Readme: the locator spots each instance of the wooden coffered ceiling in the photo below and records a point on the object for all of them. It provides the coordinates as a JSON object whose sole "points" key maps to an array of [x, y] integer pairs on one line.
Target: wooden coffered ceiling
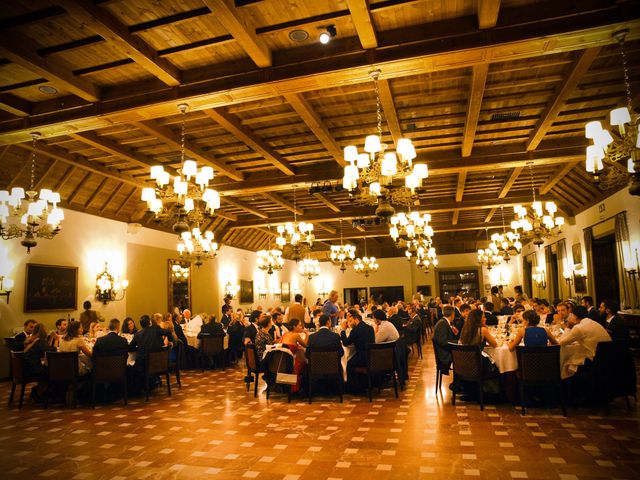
{"points": [[480, 86]]}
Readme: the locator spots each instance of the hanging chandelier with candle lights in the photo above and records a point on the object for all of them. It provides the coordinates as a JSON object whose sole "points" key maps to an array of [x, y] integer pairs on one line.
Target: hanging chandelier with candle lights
{"points": [[370, 175], [507, 243], [409, 230], [426, 258], [187, 198], [614, 157], [538, 221], [23, 216], [296, 236], [366, 265], [342, 255], [196, 247], [490, 256], [270, 260], [309, 268]]}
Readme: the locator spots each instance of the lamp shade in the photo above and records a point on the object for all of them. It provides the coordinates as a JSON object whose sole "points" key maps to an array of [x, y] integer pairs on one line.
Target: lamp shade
{"points": [[350, 153], [592, 129], [190, 168], [620, 116], [372, 144]]}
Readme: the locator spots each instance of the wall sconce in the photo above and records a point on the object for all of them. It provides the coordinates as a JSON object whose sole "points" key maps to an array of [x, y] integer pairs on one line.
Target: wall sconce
{"points": [[107, 288], [6, 287], [262, 292], [322, 291], [633, 271], [569, 279], [276, 292], [540, 277], [230, 290]]}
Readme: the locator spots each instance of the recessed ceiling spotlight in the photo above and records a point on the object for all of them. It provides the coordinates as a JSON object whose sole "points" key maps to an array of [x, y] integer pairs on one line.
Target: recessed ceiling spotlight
{"points": [[327, 34], [298, 35], [48, 89]]}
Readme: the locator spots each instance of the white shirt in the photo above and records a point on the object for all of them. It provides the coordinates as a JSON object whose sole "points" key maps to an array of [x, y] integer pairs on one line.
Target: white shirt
{"points": [[386, 332], [586, 334]]}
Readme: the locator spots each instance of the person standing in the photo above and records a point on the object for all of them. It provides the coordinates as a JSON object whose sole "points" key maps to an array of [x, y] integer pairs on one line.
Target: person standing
{"points": [[330, 307], [297, 311], [88, 316]]}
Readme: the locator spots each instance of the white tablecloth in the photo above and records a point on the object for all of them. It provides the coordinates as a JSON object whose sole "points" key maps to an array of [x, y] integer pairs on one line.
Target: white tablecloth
{"points": [[571, 356], [192, 340]]}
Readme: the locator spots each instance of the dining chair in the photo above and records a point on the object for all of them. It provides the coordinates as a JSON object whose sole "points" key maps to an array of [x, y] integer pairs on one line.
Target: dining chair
{"points": [[539, 367], [109, 369], [19, 376], [157, 363], [211, 346], [467, 366], [278, 362], [253, 366], [380, 362], [324, 364], [62, 368]]}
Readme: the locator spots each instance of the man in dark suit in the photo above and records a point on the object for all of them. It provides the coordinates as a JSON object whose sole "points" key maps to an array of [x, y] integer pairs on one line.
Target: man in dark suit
{"points": [[324, 338], [411, 332], [226, 317], [17, 342], [211, 327], [592, 312], [111, 343], [615, 325], [491, 319], [150, 337], [395, 319], [361, 335], [251, 330], [443, 333], [506, 308], [458, 322]]}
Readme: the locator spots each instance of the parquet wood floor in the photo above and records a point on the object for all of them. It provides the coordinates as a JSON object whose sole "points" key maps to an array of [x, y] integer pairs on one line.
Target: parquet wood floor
{"points": [[212, 428]]}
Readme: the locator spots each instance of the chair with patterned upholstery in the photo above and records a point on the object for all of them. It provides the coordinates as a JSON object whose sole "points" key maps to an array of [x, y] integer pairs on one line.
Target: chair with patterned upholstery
{"points": [[276, 362], [440, 367], [612, 375], [539, 366], [211, 346], [157, 363], [380, 363], [109, 369], [253, 367], [324, 363], [63, 368], [19, 376], [467, 367]]}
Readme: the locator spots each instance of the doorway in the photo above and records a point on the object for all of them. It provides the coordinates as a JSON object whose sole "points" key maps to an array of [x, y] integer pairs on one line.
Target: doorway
{"points": [[554, 291], [353, 296], [605, 269], [527, 269]]}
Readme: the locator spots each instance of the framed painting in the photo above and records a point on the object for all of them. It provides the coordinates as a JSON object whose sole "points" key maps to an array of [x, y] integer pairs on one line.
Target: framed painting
{"points": [[50, 288], [246, 291], [580, 283], [576, 253], [286, 292]]}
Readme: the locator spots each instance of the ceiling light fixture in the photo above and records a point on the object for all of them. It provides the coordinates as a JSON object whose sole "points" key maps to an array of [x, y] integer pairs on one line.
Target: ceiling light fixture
{"points": [[366, 265], [270, 260], [298, 236], [196, 247], [342, 255], [309, 268], [371, 173], [327, 34], [614, 156], [22, 216]]}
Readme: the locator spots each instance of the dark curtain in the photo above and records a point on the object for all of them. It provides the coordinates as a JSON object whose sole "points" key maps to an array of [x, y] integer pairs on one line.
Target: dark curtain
{"points": [[564, 261], [588, 246], [548, 265], [622, 243]]}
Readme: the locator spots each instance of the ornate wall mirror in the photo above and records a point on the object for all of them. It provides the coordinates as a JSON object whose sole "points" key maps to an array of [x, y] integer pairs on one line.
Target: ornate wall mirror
{"points": [[179, 285]]}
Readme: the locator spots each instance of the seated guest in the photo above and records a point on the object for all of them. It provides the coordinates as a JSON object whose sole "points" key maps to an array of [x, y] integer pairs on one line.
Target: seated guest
{"points": [[263, 336], [128, 326], [227, 311], [34, 351], [251, 330], [384, 330], [475, 332], [458, 322], [314, 323], [543, 311], [394, 319], [564, 313], [150, 337], [411, 332], [278, 328], [403, 313], [17, 342], [235, 330], [111, 343], [324, 337], [58, 333], [443, 333], [615, 325], [490, 318], [592, 312], [73, 341], [211, 327], [585, 332], [95, 330], [506, 308], [294, 340], [360, 336], [534, 336]]}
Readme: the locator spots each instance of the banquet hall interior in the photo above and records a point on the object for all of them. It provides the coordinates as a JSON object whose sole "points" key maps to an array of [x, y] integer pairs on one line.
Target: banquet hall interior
{"points": [[319, 239]]}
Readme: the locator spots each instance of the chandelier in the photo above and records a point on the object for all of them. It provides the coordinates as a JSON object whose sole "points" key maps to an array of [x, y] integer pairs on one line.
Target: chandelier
{"points": [[270, 260], [196, 247], [179, 272], [299, 236], [615, 156], [366, 265], [410, 230], [309, 268], [342, 255], [27, 218], [189, 198], [372, 172], [426, 257], [538, 223], [506, 243], [107, 287], [490, 256]]}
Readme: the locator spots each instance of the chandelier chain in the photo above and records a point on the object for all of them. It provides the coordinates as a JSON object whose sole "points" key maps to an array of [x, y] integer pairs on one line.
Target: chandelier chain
{"points": [[34, 137], [183, 110], [625, 69], [378, 109], [533, 189]]}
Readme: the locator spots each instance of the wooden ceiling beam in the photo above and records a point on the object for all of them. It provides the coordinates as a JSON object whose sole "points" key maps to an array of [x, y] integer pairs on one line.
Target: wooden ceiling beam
{"points": [[95, 193], [226, 215], [490, 215], [565, 88], [362, 20], [246, 135], [557, 176], [109, 146], [64, 179], [166, 134], [126, 200], [22, 50], [111, 196], [556, 27], [441, 205], [488, 13], [45, 175], [327, 201], [304, 110], [117, 35], [478, 81], [278, 200], [326, 228], [462, 178], [79, 187], [244, 206], [510, 181], [390, 113], [15, 105], [242, 29], [455, 217], [14, 181]]}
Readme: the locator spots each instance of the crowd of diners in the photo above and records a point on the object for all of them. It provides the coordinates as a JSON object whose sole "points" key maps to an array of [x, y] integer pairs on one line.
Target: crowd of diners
{"points": [[302, 326]]}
